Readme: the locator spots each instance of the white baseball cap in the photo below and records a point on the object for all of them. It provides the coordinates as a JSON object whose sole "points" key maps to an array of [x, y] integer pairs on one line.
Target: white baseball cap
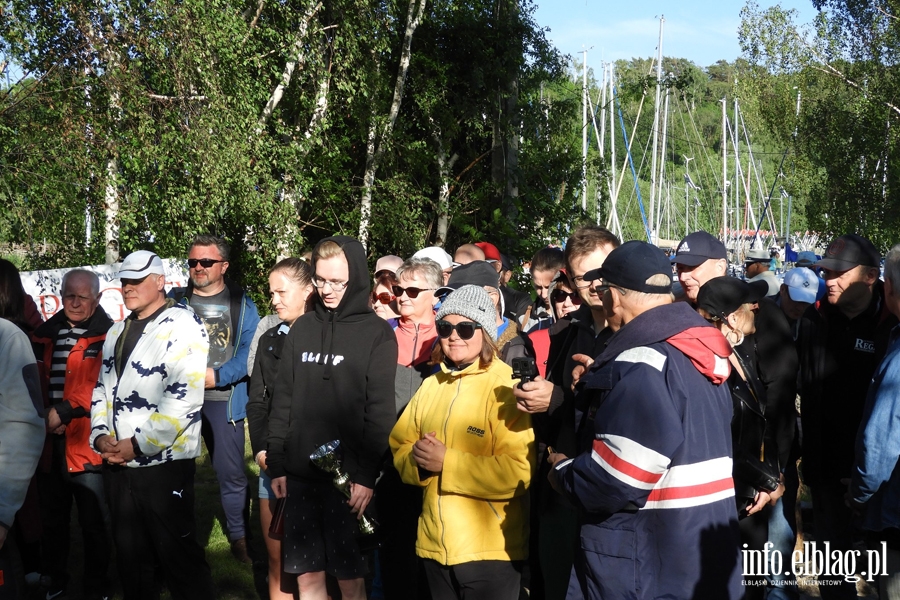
{"points": [[802, 284], [437, 254], [138, 265]]}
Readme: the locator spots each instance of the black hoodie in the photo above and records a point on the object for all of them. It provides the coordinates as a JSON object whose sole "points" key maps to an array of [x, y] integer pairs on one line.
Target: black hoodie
{"points": [[335, 382]]}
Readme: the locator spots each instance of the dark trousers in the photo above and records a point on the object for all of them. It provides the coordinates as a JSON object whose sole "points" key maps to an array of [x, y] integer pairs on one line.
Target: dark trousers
{"points": [[225, 442], [833, 523], [57, 490], [153, 521], [476, 580], [399, 506]]}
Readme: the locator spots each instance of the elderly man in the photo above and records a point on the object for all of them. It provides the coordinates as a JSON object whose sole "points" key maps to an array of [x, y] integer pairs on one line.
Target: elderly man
{"points": [[145, 424], [230, 318], [21, 432], [652, 481], [840, 342], [68, 348]]}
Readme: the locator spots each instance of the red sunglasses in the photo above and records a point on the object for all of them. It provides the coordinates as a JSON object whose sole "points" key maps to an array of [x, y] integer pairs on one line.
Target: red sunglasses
{"points": [[383, 297]]}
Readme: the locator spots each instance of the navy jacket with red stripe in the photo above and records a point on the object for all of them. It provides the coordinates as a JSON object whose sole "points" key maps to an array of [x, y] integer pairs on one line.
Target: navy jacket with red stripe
{"points": [[653, 484]]}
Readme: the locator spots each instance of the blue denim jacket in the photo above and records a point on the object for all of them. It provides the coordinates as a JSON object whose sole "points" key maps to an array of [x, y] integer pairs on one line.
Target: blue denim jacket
{"points": [[876, 480]]}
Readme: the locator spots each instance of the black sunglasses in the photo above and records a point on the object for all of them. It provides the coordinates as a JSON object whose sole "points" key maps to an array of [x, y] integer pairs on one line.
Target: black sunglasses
{"points": [[466, 329], [561, 295], [383, 297], [412, 292], [203, 262]]}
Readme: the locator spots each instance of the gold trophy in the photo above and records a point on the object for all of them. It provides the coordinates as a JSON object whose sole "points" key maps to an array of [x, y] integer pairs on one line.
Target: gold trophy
{"points": [[327, 458]]}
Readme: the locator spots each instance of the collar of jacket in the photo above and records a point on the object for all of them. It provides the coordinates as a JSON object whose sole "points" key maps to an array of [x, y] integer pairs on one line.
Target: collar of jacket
{"points": [[472, 369], [97, 323]]}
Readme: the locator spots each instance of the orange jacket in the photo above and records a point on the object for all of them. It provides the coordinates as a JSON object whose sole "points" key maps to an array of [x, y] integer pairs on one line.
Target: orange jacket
{"points": [[82, 370]]}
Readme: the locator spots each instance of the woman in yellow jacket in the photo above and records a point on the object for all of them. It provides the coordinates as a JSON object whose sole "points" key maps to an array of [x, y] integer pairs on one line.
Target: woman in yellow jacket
{"points": [[462, 440]]}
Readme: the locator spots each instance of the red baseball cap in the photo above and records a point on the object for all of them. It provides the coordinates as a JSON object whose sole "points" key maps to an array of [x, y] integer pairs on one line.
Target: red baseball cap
{"points": [[490, 251]]}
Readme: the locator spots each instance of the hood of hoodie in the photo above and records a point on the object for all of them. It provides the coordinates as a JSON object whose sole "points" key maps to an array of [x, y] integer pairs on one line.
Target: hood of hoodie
{"points": [[355, 303], [681, 326]]}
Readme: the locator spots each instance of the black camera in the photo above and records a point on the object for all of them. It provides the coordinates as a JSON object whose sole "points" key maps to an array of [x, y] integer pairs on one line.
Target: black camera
{"points": [[524, 368]]}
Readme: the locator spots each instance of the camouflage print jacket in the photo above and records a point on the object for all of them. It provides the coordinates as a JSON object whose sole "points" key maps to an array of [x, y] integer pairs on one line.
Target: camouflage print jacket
{"points": [[158, 397]]}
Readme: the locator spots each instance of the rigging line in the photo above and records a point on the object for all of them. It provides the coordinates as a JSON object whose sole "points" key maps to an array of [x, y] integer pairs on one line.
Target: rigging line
{"points": [[631, 162]]}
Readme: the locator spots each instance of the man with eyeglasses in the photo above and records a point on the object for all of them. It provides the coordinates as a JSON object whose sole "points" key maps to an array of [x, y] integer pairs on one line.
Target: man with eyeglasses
{"points": [[551, 401], [145, 424], [230, 317], [336, 382]]}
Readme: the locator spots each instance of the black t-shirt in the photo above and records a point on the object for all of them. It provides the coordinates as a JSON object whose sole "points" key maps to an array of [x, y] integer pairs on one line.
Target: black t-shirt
{"points": [[134, 329]]}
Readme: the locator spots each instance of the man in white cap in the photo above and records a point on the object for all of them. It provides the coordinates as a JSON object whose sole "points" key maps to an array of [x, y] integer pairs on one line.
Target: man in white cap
{"points": [[145, 424], [797, 292], [440, 256]]}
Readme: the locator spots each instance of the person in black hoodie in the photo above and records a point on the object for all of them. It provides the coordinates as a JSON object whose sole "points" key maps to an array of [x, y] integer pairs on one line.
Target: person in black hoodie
{"points": [[336, 382]]}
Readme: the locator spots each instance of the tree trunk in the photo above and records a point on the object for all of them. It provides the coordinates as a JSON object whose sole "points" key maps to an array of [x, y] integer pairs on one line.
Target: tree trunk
{"points": [[444, 168], [296, 57], [375, 147]]}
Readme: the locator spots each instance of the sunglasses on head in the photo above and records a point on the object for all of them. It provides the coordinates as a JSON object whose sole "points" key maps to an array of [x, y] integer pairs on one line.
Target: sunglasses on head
{"points": [[561, 295], [465, 329], [412, 292], [383, 297], [203, 262]]}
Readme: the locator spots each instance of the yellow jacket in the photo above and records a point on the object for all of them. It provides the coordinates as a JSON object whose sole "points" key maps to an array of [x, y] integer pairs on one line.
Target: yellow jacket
{"points": [[477, 507]]}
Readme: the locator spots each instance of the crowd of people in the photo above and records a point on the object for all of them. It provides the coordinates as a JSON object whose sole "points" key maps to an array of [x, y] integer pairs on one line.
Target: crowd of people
{"points": [[427, 431]]}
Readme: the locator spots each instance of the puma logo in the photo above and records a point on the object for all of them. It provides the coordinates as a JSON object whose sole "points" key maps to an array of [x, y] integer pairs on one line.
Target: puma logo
{"points": [[174, 493]]}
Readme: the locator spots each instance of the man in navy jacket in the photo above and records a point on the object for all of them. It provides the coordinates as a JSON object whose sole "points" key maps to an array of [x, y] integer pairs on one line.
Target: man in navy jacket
{"points": [[653, 481]]}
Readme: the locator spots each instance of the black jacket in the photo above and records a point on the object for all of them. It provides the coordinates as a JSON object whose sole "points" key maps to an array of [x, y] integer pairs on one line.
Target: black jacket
{"points": [[262, 385], [335, 382], [838, 357], [557, 427], [775, 358]]}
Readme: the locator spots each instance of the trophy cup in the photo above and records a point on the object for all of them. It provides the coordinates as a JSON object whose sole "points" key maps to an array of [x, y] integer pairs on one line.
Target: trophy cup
{"points": [[326, 458]]}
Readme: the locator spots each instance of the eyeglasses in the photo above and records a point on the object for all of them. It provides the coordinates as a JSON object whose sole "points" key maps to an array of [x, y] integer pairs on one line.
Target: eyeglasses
{"points": [[203, 262], [581, 283], [412, 292], [383, 297], [561, 295], [465, 329], [337, 286]]}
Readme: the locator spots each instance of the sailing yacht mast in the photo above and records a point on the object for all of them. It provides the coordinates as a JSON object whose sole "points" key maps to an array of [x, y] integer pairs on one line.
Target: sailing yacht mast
{"points": [[584, 133], [653, 181]]}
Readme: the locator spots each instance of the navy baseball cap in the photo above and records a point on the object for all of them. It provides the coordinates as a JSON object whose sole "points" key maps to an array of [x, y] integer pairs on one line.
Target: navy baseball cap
{"points": [[850, 251], [697, 248], [631, 265]]}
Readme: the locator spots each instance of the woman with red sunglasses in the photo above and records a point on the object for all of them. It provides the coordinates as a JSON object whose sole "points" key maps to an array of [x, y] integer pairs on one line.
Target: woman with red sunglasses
{"points": [[463, 441]]}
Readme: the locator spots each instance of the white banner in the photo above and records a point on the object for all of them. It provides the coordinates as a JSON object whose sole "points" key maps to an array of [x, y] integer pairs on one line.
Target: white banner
{"points": [[44, 287]]}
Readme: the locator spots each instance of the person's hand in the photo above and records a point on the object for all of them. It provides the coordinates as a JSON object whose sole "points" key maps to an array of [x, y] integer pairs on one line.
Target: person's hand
{"points": [[759, 502], [210, 378], [3, 532], [533, 396], [854, 506], [126, 450], [584, 363], [53, 420], [778, 493], [555, 457], [360, 496], [429, 453], [261, 460], [59, 430], [279, 486], [109, 449]]}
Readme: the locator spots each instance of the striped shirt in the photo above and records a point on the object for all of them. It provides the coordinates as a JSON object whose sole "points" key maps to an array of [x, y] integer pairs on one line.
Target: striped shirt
{"points": [[65, 341]]}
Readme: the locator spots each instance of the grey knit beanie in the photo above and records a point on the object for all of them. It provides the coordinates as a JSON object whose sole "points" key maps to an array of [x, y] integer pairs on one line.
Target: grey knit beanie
{"points": [[473, 302]]}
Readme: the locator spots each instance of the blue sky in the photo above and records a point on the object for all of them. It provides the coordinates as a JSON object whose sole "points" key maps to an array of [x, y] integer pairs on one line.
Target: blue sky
{"points": [[703, 31]]}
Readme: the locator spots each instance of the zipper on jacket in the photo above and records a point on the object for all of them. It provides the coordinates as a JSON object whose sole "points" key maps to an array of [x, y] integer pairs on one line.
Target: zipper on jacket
{"points": [[440, 503], [412, 360], [237, 343]]}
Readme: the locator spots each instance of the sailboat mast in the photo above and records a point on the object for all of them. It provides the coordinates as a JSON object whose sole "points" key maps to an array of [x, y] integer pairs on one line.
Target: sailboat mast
{"points": [[584, 133], [724, 171], [653, 181], [662, 158]]}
